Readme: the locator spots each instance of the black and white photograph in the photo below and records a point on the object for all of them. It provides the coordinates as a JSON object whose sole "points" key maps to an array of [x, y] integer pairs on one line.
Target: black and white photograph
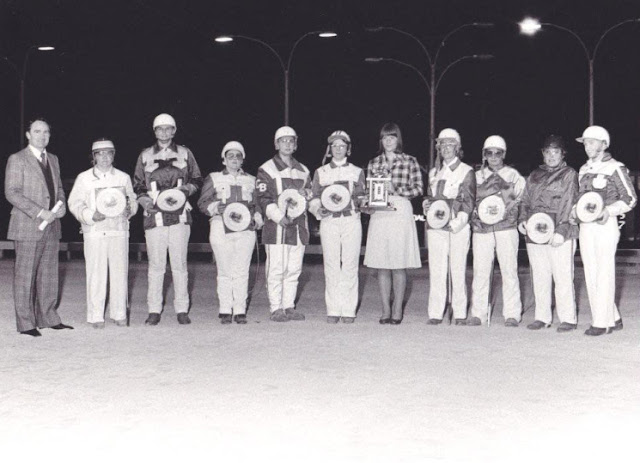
{"points": [[319, 231]]}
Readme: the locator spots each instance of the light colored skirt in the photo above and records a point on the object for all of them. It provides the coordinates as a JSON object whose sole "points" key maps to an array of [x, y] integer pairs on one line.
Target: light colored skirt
{"points": [[392, 239]]}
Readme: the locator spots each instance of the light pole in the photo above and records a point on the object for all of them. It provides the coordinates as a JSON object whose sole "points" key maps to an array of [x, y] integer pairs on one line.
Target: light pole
{"points": [[530, 26], [434, 79], [285, 66], [22, 76]]}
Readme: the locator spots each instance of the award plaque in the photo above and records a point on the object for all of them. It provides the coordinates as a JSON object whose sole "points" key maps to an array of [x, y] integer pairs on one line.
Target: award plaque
{"points": [[291, 203], [439, 214], [236, 217], [491, 210], [540, 228], [171, 200], [378, 194], [589, 206], [111, 201], [335, 198]]}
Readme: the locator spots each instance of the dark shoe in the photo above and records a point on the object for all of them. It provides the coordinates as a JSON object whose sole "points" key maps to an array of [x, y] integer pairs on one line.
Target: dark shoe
{"points": [[279, 316], [98, 325], [184, 319], [511, 323], [153, 319], [385, 321], [538, 325], [33, 332], [240, 319], [396, 321], [566, 326], [293, 315], [593, 331], [225, 318], [618, 326], [434, 321], [348, 319], [333, 320], [460, 322], [61, 326], [474, 321]]}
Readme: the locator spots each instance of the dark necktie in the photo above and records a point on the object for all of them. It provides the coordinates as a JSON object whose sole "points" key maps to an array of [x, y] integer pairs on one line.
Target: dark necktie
{"points": [[43, 159]]}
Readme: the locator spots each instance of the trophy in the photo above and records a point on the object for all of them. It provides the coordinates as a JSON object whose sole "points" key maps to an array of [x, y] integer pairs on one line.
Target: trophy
{"points": [[378, 187]]}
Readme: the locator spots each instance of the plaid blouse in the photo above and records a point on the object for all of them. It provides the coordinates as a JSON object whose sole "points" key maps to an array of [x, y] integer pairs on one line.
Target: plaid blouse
{"points": [[404, 172]]}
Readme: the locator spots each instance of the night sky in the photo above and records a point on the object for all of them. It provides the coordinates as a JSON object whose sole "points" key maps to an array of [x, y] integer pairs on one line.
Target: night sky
{"points": [[118, 63]]}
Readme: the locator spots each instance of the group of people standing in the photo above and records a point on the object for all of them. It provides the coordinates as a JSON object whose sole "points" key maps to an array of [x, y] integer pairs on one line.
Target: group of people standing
{"points": [[278, 199]]}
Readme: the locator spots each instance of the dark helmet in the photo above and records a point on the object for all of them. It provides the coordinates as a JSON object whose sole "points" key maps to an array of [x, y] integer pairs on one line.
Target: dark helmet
{"points": [[554, 141]]}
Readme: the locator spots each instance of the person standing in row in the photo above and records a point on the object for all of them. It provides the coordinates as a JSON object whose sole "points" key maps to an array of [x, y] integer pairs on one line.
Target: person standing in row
{"points": [[33, 186], [498, 236], [454, 182], [232, 248], [284, 236], [165, 166], [340, 229], [552, 189], [599, 239], [392, 238], [106, 237]]}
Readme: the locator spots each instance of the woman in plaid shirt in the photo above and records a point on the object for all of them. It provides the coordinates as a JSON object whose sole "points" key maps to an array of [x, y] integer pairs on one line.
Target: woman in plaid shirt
{"points": [[392, 240]]}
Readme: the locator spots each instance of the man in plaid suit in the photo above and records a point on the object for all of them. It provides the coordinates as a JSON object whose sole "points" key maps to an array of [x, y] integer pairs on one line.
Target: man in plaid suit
{"points": [[34, 188]]}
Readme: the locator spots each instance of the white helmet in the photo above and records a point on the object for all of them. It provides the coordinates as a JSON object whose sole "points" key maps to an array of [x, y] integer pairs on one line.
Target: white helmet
{"points": [[596, 132], [449, 133], [233, 145], [164, 119], [284, 131], [339, 135], [102, 145], [495, 141]]}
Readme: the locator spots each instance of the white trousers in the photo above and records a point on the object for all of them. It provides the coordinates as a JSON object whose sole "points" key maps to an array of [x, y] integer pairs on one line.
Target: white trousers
{"points": [[447, 248], [485, 247], [283, 267], [598, 245], [341, 240], [553, 265], [175, 240], [106, 259], [233, 253]]}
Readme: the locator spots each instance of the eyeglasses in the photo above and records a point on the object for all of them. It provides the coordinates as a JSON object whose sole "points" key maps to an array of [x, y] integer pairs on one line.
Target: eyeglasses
{"points": [[493, 153], [104, 153], [231, 156], [339, 147], [447, 144], [287, 141]]}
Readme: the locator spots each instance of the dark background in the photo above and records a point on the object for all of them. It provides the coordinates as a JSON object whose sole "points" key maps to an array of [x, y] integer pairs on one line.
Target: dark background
{"points": [[118, 63]]}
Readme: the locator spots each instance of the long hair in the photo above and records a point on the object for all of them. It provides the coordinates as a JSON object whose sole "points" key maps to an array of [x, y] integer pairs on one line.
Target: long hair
{"points": [[390, 128]]}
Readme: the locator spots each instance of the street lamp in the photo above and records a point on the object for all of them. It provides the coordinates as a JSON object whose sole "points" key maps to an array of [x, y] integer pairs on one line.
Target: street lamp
{"points": [[22, 78], [435, 80], [531, 26], [285, 67]]}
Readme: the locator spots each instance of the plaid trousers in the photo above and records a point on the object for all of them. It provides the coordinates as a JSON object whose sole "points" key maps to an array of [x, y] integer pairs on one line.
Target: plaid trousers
{"points": [[35, 282]]}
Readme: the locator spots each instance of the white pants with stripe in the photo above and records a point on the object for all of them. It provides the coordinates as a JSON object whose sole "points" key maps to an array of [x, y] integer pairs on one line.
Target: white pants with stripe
{"points": [[106, 259], [598, 245], [233, 253], [486, 246], [447, 248], [283, 268], [341, 240], [553, 265], [175, 240]]}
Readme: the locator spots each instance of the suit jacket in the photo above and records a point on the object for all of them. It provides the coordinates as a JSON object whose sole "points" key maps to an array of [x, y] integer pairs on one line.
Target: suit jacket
{"points": [[26, 189]]}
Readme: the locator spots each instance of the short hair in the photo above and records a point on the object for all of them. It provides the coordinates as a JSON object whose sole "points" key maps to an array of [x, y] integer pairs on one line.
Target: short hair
{"points": [[38, 119], [390, 128]]}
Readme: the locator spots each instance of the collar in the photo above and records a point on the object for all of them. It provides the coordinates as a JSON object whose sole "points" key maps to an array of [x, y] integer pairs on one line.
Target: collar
{"points": [[335, 165], [36, 152], [551, 169], [225, 171], [453, 165], [280, 164], [172, 147], [99, 174]]}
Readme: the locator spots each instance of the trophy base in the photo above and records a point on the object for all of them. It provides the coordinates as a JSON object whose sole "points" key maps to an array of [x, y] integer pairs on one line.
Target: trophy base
{"points": [[370, 209]]}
